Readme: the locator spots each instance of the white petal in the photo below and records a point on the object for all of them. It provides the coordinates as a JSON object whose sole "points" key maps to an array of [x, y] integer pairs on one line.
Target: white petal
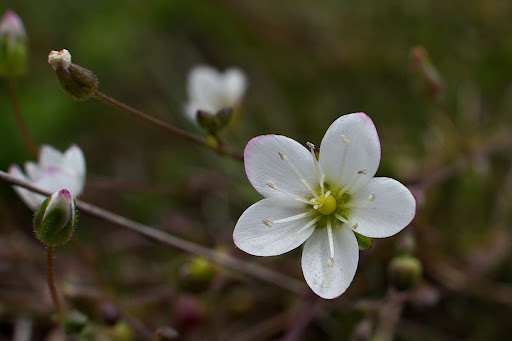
{"points": [[203, 87], [30, 199], [74, 161], [33, 170], [263, 164], [392, 209], [254, 237], [330, 281], [362, 153], [234, 85], [49, 157]]}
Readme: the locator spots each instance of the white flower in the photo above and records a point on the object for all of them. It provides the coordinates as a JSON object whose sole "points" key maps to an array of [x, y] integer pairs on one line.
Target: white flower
{"points": [[54, 171], [210, 90], [321, 202]]}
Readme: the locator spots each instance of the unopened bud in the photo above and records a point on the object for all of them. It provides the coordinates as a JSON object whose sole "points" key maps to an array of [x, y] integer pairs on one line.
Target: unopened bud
{"points": [[55, 220], [427, 76], [77, 81], [13, 45], [166, 334], [213, 123], [404, 272], [75, 322], [196, 274]]}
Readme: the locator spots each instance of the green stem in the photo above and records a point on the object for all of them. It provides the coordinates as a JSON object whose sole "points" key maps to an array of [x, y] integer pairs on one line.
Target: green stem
{"points": [[51, 283], [224, 150], [20, 121]]}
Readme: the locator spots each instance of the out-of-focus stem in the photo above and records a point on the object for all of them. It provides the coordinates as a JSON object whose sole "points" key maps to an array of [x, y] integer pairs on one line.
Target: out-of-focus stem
{"points": [[222, 150], [20, 121], [51, 283], [257, 271]]}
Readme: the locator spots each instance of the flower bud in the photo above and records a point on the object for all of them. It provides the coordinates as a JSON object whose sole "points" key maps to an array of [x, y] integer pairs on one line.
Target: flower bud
{"points": [[427, 76], [196, 274], [213, 123], [13, 45], [75, 322], [404, 272], [55, 220], [77, 81]]}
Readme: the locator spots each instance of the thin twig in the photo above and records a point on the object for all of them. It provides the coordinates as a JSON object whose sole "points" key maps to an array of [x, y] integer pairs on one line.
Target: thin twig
{"points": [[51, 283], [222, 150], [20, 121], [257, 271]]}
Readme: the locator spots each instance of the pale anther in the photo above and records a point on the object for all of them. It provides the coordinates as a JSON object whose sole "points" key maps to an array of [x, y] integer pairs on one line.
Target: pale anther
{"points": [[271, 184], [372, 197], [330, 262], [282, 156], [355, 225], [310, 145], [362, 171], [345, 139], [267, 222]]}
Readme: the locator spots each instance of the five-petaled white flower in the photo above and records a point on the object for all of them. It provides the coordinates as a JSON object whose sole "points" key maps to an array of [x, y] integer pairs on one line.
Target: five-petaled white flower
{"points": [[54, 171], [321, 201], [210, 90]]}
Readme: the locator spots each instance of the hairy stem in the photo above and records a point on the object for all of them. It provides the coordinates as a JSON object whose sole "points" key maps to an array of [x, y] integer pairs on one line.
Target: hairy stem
{"points": [[222, 149], [20, 121], [51, 283], [257, 271]]}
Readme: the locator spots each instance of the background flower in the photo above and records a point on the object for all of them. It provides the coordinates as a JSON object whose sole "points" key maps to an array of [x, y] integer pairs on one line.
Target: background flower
{"points": [[54, 171], [210, 90]]}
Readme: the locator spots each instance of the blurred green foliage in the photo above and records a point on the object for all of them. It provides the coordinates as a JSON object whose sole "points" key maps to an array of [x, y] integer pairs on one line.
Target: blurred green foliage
{"points": [[308, 62]]}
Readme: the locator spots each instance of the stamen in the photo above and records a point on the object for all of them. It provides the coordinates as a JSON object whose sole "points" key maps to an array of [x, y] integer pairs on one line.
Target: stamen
{"points": [[330, 261], [353, 183], [354, 226], [272, 185], [298, 173], [308, 225], [318, 168], [340, 218], [295, 217], [346, 142], [372, 197], [267, 222]]}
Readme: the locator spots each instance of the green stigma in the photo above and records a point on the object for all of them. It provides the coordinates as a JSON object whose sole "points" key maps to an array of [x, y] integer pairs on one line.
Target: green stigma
{"points": [[328, 206]]}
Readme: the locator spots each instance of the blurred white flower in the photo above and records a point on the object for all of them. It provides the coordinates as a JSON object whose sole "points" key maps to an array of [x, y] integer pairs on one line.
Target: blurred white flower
{"points": [[321, 202], [54, 171], [210, 90]]}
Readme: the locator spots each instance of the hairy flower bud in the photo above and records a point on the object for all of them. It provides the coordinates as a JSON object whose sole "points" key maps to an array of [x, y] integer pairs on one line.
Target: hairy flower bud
{"points": [[426, 75], [213, 123], [13, 45], [77, 81], [404, 272], [55, 220], [196, 274]]}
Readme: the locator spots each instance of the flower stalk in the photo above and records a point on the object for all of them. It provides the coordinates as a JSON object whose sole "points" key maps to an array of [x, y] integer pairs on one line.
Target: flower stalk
{"points": [[51, 284]]}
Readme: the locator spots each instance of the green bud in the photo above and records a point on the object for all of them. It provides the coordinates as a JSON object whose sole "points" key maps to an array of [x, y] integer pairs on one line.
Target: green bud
{"points": [[213, 123], [196, 274], [75, 322], [77, 81], [404, 272], [13, 45], [364, 242], [55, 220]]}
